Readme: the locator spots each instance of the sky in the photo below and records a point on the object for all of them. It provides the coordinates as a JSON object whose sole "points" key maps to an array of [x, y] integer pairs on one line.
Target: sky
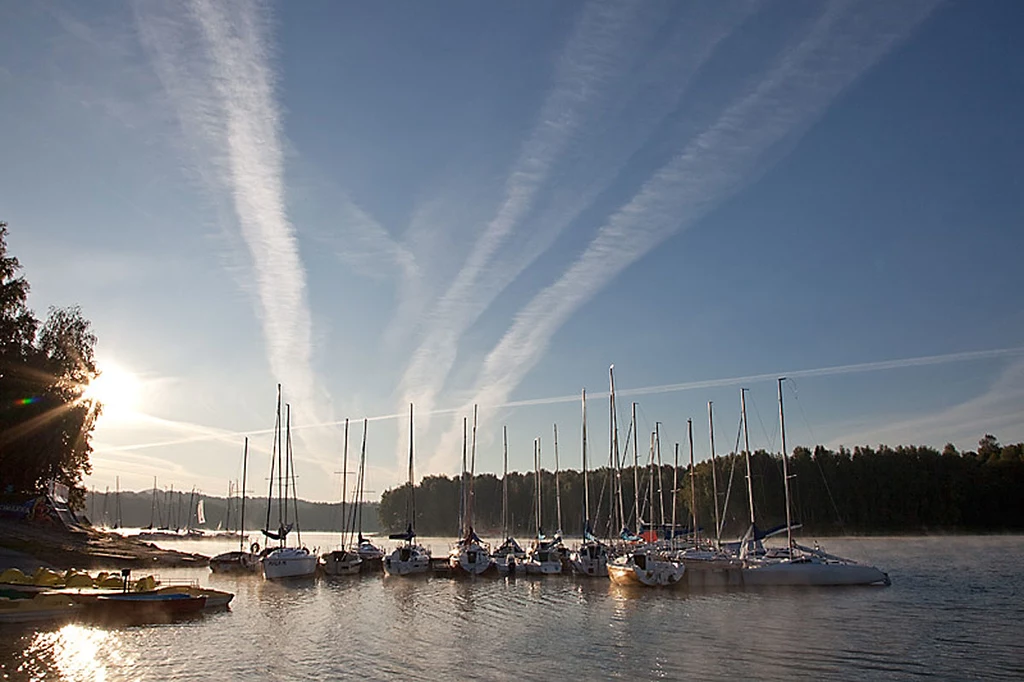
{"points": [[453, 204]]}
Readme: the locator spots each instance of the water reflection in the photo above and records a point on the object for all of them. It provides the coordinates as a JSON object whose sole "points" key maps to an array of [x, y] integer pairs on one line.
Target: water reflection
{"points": [[73, 652]]}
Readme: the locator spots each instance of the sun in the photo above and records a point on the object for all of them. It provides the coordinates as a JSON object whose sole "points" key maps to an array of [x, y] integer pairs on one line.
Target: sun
{"points": [[117, 389]]}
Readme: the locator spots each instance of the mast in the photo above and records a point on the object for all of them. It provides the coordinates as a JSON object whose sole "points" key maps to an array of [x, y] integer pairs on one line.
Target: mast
{"points": [[693, 484], [617, 464], [714, 475], [746, 453], [675, 492], [362, 473], [463, 507], [650, 487], [558, 492], [636, 473], [785, 468], [287, 456], [411, 508], [274, 449], [504, 485], [344, 487], [191, 499], [536, 481], [472, 474], [661, 489], [241, 521], [152, 508], [117, 502], [586, 482], [290, 460]]}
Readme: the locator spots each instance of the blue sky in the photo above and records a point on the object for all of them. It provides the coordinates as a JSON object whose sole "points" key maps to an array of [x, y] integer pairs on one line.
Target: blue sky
{"points": [[457, 203]]}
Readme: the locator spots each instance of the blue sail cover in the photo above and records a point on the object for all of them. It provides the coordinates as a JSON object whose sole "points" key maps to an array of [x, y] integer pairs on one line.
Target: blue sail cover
{"points": [[588, 532], [408, 535], [281, 534]]}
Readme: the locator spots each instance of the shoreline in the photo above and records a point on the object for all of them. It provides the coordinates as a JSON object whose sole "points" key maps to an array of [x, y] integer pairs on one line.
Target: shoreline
{"points": [[30, 545]]}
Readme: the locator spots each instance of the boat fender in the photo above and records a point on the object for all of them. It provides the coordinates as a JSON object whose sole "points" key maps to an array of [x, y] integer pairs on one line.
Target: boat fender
{"points": [[254, 548]]}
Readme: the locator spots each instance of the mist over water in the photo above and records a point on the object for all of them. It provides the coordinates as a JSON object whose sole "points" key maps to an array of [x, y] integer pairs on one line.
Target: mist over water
{"points": [[953, 612]]}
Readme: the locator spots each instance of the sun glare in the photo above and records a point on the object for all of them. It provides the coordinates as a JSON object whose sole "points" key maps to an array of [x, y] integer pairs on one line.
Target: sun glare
{"points": [[117, 389]]}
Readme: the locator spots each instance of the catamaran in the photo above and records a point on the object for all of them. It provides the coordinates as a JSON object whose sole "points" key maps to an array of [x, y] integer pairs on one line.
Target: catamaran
{"points": [[793, 565], [284, 561], [411, 558], [342, 561]]}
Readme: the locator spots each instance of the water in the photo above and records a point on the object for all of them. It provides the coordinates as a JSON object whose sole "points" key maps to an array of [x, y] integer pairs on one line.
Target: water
{"points": [[953, 612]]}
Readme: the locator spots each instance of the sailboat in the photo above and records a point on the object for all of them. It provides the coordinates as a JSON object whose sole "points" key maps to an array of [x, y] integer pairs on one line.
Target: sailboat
{"points": [[372, 556], [640, 565], [545, 554], [411, 558], [240, 561], [591, 558], [510, 554], [342, 561], [471, 555], [795, 565], [284, 561]]}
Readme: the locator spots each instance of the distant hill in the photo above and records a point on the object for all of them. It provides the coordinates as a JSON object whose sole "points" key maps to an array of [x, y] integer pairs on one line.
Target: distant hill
{"points": [[172, 510]]}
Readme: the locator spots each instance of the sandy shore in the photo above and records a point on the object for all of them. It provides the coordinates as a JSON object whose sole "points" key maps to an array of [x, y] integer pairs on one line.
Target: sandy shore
{"points": [[27, 545]]}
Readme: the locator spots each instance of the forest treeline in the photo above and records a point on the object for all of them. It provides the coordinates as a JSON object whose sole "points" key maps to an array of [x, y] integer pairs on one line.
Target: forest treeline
{"points": [[902, 489], [178, 510]]}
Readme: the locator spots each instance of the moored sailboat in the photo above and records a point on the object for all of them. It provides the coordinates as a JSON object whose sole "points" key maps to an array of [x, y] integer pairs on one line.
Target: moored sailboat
{"points": [[411, 558], [471, 555], [545, 554], [591, 557], [795, 565], [342, 561], [510, 555], [284, 561], [240, 561]]}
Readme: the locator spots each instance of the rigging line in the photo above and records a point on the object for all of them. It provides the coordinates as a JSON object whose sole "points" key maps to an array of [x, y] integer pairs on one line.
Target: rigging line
{"points": [[732, 470], [771, 439], [817, 462]]}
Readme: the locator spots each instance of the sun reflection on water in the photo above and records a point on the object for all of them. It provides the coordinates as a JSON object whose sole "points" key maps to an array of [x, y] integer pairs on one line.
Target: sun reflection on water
{"points": [[74, 652]]}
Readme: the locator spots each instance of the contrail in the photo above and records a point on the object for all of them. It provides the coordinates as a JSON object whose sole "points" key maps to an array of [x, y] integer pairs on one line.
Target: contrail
{"points": [[214, 60], [710, 168], [593, 50], [208, 433]]}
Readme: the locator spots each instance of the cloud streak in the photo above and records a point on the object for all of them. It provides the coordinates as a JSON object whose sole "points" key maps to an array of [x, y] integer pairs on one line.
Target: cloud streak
{"points": [[215, 62], [593, 51], [839, 47]]}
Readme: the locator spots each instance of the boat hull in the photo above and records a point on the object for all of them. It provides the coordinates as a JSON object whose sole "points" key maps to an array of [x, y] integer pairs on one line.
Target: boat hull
{"points": [[406, 561], [339, 563], [288, 563], [235, 562], [653, 573], [471, 560], [145, 608], [811, 574]]}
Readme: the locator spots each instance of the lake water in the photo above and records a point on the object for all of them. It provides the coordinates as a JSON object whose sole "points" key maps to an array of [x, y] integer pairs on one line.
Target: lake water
{"points": [[954, 611]]}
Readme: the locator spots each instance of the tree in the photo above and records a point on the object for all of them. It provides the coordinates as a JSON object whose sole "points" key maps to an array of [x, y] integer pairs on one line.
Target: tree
{"points": [[45, 420], [989, 448]]}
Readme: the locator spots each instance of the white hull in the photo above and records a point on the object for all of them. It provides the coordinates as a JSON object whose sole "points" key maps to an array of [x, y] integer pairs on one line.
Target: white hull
{"points": [[645, 571], [288, 562], [341, 563], [472, 559], [810, 574], [590, 560], [404, 561], [543, 567]]}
